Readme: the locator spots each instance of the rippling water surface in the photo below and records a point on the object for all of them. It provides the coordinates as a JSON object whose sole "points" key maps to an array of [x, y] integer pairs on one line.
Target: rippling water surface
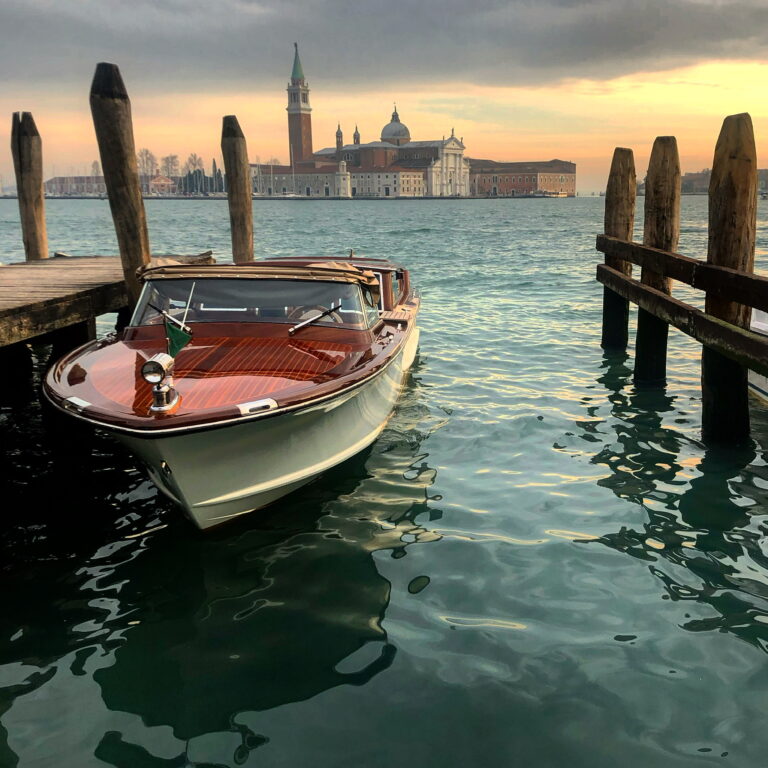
{"points": [[536, 564]]}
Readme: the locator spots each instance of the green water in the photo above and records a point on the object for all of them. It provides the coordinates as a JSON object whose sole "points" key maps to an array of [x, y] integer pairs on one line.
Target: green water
{"points": [[535, 565]]}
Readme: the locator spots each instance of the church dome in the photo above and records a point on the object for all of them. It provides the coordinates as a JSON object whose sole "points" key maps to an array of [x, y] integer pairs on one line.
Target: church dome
{"points": [[395, 132]]}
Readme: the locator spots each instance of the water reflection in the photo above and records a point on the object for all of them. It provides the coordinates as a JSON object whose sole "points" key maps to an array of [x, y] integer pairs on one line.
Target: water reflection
{"points": [[705, 506], [187, 631]]}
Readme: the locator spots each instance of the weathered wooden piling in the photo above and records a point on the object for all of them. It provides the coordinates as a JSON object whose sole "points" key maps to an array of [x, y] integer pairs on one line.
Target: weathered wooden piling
{"points": [[619, 222], [111, 110], [727, 276], [732, 221], [239, 189], [27, 151], [661, 230]]}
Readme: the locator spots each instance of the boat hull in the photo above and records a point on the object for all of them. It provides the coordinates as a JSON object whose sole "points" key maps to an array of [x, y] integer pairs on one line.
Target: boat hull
{"points": [[758, 384], [217, 474]]}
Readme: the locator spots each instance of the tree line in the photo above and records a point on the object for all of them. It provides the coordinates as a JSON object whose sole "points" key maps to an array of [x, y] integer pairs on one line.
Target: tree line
{"points": [[190, 177], [169, 165]]}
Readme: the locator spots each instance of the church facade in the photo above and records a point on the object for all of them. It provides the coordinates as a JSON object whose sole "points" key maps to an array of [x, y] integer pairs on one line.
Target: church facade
{"points": [[393, 166]]}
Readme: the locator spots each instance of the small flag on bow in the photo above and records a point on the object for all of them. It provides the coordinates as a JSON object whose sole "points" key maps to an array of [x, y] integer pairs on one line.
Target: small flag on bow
{"points": [[178, 337]]}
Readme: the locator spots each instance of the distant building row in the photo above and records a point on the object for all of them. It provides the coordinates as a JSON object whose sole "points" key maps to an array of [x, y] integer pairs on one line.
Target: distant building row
{"points": [[94, 186], [395, 165], [489, 178], [697, 182]]}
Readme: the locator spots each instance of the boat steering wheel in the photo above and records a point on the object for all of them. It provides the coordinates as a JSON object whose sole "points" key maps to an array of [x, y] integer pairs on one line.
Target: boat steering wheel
{"points": [[305, 313]]}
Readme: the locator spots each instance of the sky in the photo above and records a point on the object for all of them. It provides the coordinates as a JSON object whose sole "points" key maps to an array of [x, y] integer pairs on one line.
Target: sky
{"points": [[517, 80]]}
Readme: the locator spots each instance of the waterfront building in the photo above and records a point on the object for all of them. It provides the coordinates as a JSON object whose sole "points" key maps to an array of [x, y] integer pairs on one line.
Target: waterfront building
{"points": [[696, 183], [392, 181], [304, 180], [161, 185], [491, 178], [75, 186], [441, 162], [94, 186], [393, 166]]}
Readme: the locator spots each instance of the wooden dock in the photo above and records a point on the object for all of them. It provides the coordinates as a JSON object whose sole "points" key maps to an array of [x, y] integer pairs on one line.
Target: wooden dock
{"points": [[37, 297]]}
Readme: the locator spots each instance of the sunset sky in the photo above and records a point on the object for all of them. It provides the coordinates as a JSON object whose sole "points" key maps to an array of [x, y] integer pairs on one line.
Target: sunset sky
{"points": [[517, 80]]}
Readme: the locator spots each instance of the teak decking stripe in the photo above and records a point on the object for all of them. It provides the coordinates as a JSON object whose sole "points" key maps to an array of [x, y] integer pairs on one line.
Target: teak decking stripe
{"points": [[235, 373]]}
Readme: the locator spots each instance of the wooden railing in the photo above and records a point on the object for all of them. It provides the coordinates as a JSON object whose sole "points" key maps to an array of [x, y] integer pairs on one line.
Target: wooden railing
{"points": [[726, 277]]}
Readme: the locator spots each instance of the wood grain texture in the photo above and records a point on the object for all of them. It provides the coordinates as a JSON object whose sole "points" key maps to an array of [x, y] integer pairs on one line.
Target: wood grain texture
{"points": [[111, 111], [618, 222], [731, 341], [239, 189], [724, 282], [661, 229], [215, 374], [620, 194], [733, 209], [661, 226], [732, 221], [27, 151], [218, 372]]}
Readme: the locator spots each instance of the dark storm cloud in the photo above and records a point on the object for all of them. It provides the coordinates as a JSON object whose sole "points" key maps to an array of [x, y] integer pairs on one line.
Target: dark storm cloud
{"points": [[234, 43]]}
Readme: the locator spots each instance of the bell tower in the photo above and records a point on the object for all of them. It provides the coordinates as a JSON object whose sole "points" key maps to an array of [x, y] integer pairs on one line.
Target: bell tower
{"points": [[339, 142], [299, 114]]}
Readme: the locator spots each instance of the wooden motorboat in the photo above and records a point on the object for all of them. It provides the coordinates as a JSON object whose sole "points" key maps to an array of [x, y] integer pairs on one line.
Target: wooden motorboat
{"points": [[237, 384]]}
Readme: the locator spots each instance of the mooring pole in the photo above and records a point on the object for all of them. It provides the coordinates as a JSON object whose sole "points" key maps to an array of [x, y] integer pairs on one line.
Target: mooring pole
{"points": [[661, 230], [732, 220], [27, 151], [619, 222], [111, 110], [239, 190]]}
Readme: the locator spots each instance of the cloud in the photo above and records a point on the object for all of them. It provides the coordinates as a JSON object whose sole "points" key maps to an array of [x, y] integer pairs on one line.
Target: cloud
{"points": [[198, 45]]}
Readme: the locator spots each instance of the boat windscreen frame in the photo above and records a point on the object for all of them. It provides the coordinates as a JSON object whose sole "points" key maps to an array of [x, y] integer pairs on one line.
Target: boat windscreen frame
{"points": [[356, 300]]}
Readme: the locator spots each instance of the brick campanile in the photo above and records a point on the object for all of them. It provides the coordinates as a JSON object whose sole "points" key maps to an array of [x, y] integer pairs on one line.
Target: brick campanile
{"points": [[299, 114]]}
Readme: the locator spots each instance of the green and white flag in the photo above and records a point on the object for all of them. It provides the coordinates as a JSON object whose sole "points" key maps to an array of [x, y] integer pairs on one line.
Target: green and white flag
{"points": [[177, 337]]}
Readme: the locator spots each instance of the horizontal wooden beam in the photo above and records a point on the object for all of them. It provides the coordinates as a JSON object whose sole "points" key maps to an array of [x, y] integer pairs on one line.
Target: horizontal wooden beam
{"points": [[723, 282], [745, 347]]}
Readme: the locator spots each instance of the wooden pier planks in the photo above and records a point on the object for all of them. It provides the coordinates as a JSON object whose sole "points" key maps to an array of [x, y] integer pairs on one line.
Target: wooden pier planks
{"points": [[43, 296], [37, 297]]}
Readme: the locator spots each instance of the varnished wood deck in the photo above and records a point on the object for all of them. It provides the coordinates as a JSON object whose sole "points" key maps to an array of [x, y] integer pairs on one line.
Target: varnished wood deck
{"points": [[38, 297]]}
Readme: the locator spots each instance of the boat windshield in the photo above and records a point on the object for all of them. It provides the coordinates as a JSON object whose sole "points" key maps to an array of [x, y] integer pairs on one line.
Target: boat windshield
{"points": [[224, 300]]}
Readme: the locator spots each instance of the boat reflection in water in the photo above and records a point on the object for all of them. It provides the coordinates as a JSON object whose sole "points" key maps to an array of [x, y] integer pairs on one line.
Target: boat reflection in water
{"points": [[136, 641], [704, 504], [249, 619]]}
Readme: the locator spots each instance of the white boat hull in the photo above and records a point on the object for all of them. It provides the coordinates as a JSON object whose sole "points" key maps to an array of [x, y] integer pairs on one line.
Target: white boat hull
{"points": [[221, 473], [758, 384]]}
